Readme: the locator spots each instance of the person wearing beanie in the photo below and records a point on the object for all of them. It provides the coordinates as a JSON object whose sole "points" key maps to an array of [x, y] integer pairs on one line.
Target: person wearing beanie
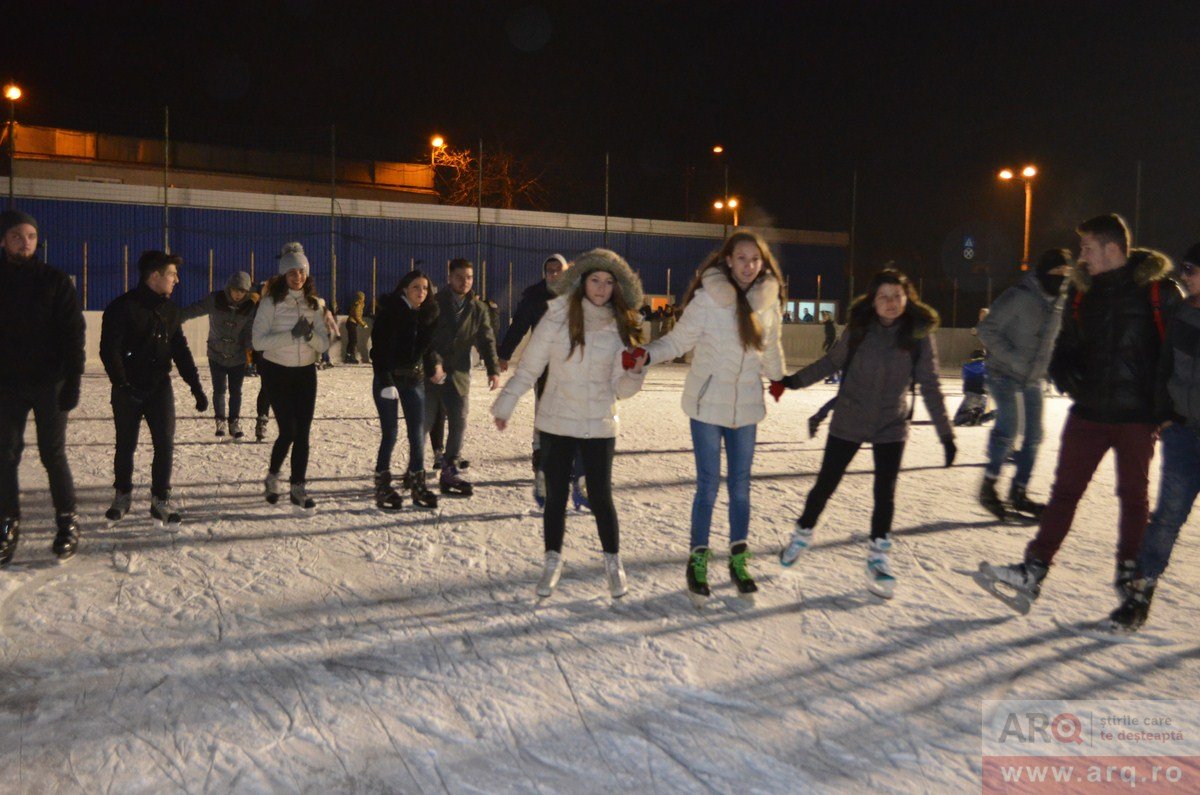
{"points": [[733, 311], [529, 311], [1019, 333], [230, 313], [41, 367], [141, 334], [354, 321], [462, 324], [1107, 359], [578, 345], [290, 330], [1179, 439]]}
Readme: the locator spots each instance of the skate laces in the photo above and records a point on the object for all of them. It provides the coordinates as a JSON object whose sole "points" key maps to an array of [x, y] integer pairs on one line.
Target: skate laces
{"points": [[699, 564], [737, 564]]}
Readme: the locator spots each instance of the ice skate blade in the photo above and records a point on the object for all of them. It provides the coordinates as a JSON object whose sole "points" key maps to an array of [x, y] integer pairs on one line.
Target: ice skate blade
{"points": [[698, 600], [748, 599], [1100, 630], [1015, 599], [300, 510], [884, 590], [170, 527]]}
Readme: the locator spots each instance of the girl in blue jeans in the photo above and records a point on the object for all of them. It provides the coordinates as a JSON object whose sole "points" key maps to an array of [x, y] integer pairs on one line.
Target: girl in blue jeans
{"points": [[733, 311], [401, 352]]}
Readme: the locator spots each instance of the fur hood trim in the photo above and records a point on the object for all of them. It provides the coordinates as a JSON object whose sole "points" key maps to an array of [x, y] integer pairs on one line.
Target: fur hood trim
{"points": [[925, 318], [601, 259], [1148, 266], [761, 294]]}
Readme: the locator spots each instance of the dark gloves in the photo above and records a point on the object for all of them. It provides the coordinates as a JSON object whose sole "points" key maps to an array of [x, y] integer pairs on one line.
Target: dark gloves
{"points": [[201, 399], [950, 448], [776, 389], [134, 395], [790, 381], [303, 330], [629, 358], [68, 396]]}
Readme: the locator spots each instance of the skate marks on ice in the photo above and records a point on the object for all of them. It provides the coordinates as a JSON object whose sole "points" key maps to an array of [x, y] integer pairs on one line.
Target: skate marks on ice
{"points": [[1101, 631]]}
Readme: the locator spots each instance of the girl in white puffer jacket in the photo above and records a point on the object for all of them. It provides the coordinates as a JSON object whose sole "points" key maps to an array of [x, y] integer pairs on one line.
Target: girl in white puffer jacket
{"points": [[731, 321], [581, 338]]}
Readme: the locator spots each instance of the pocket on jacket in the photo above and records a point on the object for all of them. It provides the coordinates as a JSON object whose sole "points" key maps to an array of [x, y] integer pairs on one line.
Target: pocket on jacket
{"points": [[703, 389]]}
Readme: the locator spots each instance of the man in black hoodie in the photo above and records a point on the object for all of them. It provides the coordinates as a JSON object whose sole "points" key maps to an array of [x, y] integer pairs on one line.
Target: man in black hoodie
{"points": [[41, 365], [140, 335], [1106, 359]]}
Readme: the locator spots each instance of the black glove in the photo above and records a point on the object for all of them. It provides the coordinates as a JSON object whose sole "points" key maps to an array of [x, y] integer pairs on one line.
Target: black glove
{"points": [[303, 329], [68, 396], [134, 395], [201, 399], [791, 381], [950, 448]]}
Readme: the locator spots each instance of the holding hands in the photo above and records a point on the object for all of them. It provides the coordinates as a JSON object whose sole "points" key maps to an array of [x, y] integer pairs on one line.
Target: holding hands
{"points": [[439, 375], [635, 359]]}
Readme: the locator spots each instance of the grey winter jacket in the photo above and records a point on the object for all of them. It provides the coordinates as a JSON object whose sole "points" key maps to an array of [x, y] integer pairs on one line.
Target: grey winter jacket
{"points": [[228, 326], [1180, 370], [872, 405], [1020, 330]]}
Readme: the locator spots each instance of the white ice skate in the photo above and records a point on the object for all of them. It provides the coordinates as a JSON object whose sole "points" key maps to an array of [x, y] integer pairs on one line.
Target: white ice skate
{"points": [[551, 571], [880, 579], [616, 575], [802, 538]]}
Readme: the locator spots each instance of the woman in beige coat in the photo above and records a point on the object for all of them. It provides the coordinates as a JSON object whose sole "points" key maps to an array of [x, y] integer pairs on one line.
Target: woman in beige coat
{"points": [[580, 339]]}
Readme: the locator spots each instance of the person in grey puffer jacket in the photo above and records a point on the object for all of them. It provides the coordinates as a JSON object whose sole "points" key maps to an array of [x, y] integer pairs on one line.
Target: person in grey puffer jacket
{"points": [[1179, 396], [230, 318], [887, 345], [1019, 333]]}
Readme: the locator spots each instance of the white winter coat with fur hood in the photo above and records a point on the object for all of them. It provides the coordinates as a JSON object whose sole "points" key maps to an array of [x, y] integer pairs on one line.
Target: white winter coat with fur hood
{"points": [[272, 330], [582, 389], [724, 386]]}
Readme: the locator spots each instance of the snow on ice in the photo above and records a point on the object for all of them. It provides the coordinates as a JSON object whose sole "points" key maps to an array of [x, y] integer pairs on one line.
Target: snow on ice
{"points": [[258, 651]]}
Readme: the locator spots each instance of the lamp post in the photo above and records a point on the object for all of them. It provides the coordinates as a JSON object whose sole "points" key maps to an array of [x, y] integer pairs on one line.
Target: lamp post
{"points": [[730, 204], [437, 144], [12, 92], [1027, 174], [719, 151]]}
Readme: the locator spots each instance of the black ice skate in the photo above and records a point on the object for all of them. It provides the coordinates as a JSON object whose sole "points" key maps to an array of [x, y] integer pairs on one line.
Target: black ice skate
{"points": [[990, 500], [450, 482], [1135, 609], [697, 576], [739, 558], [386, 497], [422, 497], [301, 501], [260, 429], [122, 501], [66, 540], [271, 488], [1021, 583], [10, 533], [1020, 504], [163, 513]]}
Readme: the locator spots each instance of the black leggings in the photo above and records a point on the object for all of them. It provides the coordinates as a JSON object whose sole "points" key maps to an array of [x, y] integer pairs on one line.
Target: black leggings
{"points": [[293, 394], [558, 454], [838, 455]]}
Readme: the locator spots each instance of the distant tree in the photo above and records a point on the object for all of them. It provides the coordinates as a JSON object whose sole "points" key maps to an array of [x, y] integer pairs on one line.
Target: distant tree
{"points": [[510, 181]]}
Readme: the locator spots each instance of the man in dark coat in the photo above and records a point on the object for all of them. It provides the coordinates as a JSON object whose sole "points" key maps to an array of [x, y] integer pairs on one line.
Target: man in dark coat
{"points": [[1106, 359], [140, 336], [41, 366], [463, 323]]}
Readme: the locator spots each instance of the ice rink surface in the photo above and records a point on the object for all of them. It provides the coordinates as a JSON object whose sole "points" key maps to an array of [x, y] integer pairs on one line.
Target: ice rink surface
{"points": [[258, 651]]}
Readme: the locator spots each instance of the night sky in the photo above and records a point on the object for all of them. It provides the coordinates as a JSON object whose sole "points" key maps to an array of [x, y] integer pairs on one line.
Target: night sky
{"points": [[926, 101]]}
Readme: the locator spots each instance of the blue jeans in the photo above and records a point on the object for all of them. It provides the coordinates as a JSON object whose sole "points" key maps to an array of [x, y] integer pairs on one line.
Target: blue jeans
{"points": [[739, 454], [234, 376], [412, 400], [1009, 396], [1177, 490]]}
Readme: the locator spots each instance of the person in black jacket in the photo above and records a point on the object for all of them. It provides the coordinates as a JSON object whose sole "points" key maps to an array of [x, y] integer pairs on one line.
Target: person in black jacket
{"points": [[41, 365], [401, 353], [140, 335], [1106, 359], [529, 311]]}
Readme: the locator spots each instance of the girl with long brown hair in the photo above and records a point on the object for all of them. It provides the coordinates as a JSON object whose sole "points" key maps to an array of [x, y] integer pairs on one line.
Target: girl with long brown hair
{"points": [[581, 339], [731, 321]]}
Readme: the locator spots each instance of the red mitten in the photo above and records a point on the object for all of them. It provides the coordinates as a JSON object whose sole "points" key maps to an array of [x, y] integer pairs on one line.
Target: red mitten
{"points": [[776, 389], [629, 358]]}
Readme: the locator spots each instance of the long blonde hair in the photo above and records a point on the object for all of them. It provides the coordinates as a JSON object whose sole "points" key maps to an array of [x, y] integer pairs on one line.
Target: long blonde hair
{"points": [[749, 329], [629, 325]]}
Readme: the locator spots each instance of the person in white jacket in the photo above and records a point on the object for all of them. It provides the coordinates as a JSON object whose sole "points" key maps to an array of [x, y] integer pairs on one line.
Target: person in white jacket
{"points": [[731, 320], [581, 339], [289, 329]]}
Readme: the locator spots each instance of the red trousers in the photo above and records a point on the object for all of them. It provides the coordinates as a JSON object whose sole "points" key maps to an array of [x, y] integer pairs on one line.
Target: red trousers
{"points": [[1084, 444]]}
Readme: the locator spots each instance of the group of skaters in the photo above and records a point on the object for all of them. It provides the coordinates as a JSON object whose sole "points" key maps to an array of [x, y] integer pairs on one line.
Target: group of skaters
{"points": [[1110, 329]]}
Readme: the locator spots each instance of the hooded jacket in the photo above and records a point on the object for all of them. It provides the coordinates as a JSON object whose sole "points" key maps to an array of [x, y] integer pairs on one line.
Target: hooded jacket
{"points": [[1108, 353], [529, 311], [43, 335], [872, 402], [402, 340], [724, 386], [272, 330], [228, 326], [140, 336], [1020, 330]]}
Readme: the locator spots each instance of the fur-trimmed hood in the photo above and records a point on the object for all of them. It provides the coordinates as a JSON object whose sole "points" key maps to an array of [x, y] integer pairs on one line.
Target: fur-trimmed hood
{"points": [[601, 259], [925, 318], [1148, 266], [761, 294]]}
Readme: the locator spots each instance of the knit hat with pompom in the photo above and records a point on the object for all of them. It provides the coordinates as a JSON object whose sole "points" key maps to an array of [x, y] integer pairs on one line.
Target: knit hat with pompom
{"points": [[291, 258]]}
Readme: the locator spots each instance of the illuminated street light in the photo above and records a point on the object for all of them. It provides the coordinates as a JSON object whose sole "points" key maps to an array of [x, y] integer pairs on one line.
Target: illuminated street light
{"points": [[438, 143], [12, 92], [1027, 175], [718, 149], [731, 205]]}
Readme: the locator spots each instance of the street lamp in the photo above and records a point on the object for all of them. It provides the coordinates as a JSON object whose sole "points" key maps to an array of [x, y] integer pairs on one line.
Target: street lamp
{"points": [[1027, 174], [438, 143], [731, 204], [719, 151], [12, 92]]}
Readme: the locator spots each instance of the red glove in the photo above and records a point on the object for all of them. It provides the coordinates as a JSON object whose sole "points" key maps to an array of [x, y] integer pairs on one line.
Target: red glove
{"points": [[776, 389], [629, 358]]}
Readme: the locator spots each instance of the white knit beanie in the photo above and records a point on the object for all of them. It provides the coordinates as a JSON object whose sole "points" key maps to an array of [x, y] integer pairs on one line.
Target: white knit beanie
{"points": [[291, 258]]}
